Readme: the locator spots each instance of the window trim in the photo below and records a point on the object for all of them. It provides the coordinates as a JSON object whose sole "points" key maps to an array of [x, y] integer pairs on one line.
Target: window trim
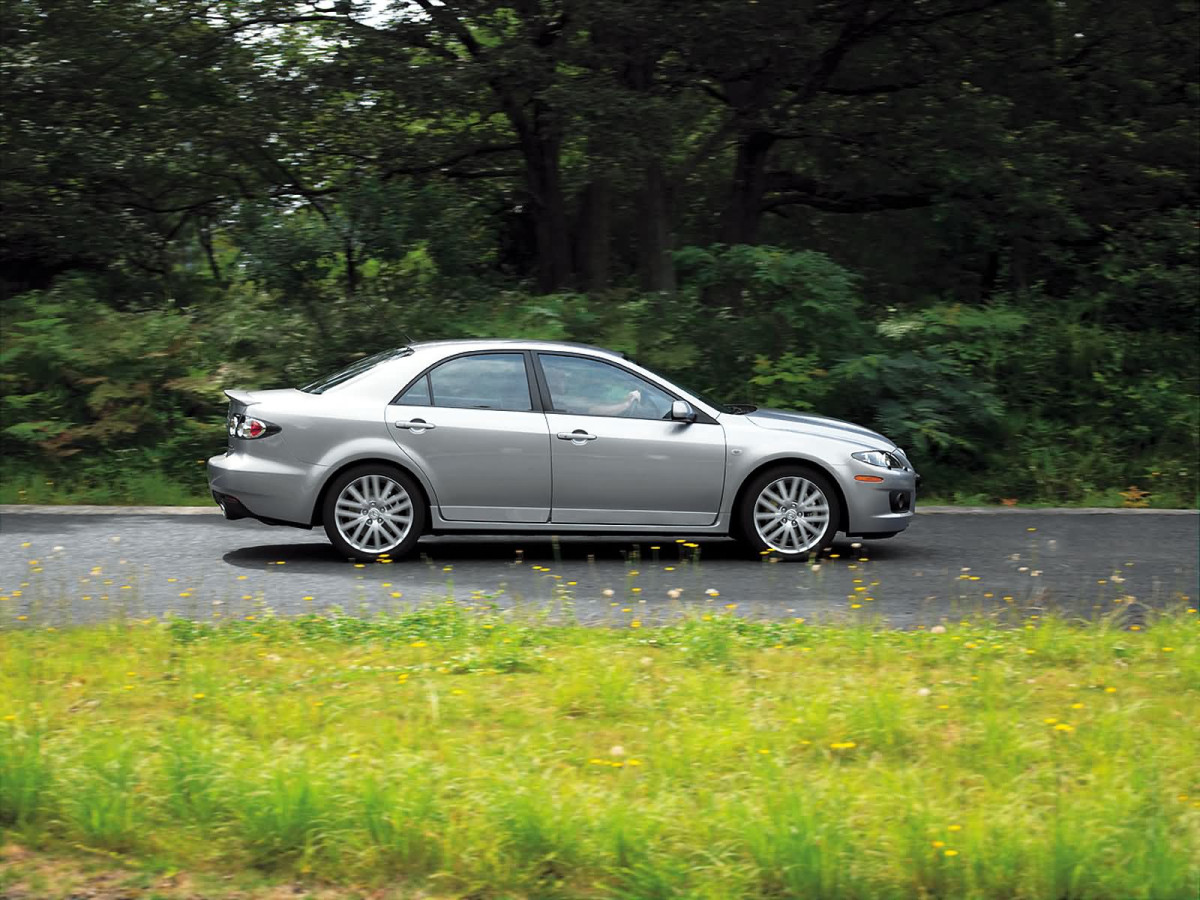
{"points": [[702, 417], [424, 376], [535, 396]]}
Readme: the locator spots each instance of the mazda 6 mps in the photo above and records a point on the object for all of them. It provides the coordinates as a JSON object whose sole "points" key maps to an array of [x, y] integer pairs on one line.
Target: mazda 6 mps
{"points": [[531, 436]]}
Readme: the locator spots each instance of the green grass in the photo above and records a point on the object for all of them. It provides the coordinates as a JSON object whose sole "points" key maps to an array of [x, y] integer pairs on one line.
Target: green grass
{"points": [[1114, 498], [1158, 496], [107, 486], [462, 752]]}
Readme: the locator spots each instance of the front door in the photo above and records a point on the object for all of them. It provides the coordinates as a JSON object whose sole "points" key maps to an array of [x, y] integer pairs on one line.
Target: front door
{"points": [[617, 457], [470, 424]]}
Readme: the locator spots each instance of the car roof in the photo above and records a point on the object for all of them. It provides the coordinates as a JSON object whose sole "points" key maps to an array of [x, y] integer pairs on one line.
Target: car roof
{"points": [[515, 343]]}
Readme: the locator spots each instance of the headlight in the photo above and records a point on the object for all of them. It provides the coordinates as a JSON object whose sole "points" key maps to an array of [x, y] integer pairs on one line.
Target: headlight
{"points": [[880, 458]]}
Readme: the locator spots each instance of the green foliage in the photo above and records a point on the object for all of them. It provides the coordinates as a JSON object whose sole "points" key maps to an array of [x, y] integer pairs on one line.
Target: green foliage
{"points": [[82, 378], [999, 400], [931, 384]]}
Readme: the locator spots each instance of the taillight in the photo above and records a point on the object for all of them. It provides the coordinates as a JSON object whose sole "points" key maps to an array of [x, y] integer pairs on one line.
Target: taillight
{"points": [[248, 428]]}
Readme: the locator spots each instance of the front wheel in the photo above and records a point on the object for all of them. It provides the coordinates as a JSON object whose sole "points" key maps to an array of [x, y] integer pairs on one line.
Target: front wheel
{"points": [[372, 511], [791, 510]]}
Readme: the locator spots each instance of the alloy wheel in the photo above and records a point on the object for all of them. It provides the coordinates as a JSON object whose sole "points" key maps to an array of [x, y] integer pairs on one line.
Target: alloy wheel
{"points": [[373, 513], [791, 514]]}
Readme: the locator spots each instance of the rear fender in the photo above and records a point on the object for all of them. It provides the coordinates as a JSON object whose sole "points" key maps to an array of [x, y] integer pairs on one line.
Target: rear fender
{"points": [[366, 449]]}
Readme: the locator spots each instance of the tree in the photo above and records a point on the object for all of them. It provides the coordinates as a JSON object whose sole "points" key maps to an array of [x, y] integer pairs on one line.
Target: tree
{"points": [[123, 131]]}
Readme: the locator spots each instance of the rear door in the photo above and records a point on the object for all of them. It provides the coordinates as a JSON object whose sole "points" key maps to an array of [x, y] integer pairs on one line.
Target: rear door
{"points": [[618, 458], [471, 424]]}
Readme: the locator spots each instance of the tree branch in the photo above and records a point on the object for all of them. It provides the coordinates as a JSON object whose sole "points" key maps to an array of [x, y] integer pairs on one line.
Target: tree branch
{"points": [[490, 173], [869, 90], [796, 190], [512, 109], [446, 165], [178, 208], [456, 27], [848, 204], [713, 92], [954, 12]]}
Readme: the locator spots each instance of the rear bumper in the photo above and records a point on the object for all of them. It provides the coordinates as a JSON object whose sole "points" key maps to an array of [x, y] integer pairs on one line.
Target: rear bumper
{"points": [[235, 509], [270, 491], [231, 507]]}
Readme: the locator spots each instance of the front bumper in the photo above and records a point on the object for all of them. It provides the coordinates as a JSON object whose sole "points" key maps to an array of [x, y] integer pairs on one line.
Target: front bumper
{"points": [[880, 507]]}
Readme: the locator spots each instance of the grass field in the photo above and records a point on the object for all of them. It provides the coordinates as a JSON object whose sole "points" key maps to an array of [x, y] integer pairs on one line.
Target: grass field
{"points": [[451, 751], [107, 486]]}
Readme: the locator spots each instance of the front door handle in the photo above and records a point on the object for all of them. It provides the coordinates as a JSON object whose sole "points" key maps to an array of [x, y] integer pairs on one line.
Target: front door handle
{"points": [[578, 436], [416, 425]]}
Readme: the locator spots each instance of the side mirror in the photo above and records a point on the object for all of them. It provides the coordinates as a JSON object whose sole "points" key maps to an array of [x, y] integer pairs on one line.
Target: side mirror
{"points": [[681, 411]]}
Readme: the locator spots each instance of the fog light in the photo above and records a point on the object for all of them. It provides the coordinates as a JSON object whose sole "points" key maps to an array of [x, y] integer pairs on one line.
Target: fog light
{"points": [[900, 501]]}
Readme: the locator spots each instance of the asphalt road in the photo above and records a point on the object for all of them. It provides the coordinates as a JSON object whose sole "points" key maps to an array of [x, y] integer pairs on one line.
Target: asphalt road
{"points": [[63, 567]]}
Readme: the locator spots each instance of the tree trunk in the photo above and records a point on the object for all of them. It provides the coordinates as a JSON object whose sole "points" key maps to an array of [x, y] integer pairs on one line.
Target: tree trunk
{"points": [[593, 254], [1021, 264], [351, 268], [206, 242], [655, 264], [739, 221], [550, 214]]}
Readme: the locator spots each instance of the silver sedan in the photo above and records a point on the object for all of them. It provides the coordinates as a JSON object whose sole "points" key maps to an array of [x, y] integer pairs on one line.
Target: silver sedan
{"points": [[535, 436]]}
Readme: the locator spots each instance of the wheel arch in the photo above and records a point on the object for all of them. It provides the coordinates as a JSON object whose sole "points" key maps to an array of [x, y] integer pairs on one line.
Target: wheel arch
{"points": [[315, 518], [783, 462]]}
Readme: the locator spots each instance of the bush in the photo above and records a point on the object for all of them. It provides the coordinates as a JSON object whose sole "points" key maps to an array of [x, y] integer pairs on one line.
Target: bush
{"points": [[1024, 397], [82, 380]]}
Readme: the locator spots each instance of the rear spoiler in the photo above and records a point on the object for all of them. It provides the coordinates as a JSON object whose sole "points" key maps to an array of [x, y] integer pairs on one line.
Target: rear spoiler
{"points": [[243, 397]]}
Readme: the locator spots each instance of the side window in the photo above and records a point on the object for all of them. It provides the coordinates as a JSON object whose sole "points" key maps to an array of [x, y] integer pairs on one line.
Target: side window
{"points": [[591, 387], [417, 394], [485, 381]]}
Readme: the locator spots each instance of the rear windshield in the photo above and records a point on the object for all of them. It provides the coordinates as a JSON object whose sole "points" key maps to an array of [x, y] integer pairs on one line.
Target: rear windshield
{"points": [[321, 385]]}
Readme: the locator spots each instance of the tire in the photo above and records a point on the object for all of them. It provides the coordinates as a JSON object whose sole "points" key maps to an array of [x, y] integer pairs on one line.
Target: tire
{"points": [[373, 510], [790, 510]]}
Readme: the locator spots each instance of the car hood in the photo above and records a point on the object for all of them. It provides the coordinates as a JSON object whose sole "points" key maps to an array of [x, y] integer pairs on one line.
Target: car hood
{"points": [[809, 423]]}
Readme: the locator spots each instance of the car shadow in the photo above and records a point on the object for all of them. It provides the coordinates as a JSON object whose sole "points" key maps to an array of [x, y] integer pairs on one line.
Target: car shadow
{"points": [[508, 549]]}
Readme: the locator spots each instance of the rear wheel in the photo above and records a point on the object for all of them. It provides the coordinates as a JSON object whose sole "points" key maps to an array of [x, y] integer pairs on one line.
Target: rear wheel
{"points": [[373, 510], [792, 511]]}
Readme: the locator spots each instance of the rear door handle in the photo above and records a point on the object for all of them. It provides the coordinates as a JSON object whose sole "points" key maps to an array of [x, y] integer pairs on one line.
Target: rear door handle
{"points": [[416, 425], [578, 436]]}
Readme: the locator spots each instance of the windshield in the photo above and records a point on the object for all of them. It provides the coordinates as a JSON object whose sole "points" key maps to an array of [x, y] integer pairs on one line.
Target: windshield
{"points": [[704, 398], [321, 385], [737, 408]]}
